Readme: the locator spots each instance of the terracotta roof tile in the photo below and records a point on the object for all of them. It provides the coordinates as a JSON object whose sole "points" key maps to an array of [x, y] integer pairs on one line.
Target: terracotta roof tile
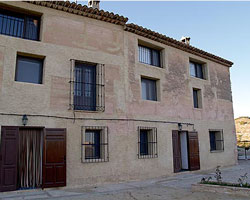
{"points": [[110, 17], [82, 10], [139, 30]]}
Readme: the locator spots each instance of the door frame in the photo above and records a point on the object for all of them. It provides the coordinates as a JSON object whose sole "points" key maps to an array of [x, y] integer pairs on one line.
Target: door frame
{"points": [[185, 131]]}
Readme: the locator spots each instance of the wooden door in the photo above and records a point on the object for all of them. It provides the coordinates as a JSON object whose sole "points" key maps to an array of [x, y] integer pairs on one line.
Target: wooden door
{"points": [[8, 158], [194, 155], [176, 151], [54, 158]]}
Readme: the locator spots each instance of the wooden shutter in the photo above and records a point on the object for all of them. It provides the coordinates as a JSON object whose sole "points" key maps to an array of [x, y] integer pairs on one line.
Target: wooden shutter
{"points": [[8, 158], [194, 156], [54, 158], [176, 151]]}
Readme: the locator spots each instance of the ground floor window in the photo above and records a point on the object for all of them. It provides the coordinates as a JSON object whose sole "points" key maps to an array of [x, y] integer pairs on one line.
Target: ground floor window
{"points": [[216, 140], [147, 142], [94, 144]]}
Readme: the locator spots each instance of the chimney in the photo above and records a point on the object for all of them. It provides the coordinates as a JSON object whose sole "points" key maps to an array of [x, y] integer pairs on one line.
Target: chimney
{"points": [[93, 4], [185, 40]]}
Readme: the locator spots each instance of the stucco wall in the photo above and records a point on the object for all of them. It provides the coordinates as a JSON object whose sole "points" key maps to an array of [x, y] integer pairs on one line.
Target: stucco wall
{"points": [[66, 36]]}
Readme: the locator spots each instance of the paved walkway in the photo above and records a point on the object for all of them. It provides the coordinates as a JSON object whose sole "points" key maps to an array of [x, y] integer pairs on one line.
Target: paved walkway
{"points": [[172, 188]]}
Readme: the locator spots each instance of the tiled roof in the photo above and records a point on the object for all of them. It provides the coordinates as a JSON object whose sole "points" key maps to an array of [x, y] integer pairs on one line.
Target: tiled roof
{"points": [[133, 28], [110, 17], [79, 9]]}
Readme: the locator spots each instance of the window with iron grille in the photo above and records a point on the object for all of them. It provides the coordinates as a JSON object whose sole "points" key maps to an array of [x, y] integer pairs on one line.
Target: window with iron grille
{"points": [[149, 56], [19, 25], [147, 142], [216, 140], [87, 86], [196, 70], [95, 144]]}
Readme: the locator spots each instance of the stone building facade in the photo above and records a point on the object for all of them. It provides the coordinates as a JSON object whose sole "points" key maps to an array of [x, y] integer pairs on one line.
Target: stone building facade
{"points": [[109, 101]]}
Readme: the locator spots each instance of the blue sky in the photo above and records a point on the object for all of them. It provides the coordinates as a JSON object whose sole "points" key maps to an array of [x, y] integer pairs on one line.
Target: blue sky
{"points": [[221, 28]]}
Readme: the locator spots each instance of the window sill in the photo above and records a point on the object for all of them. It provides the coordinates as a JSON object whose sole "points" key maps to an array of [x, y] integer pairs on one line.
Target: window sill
{"points": [[94, 160], [145, 100], [198, 109], [217, 151], [201, 79], [148, 65], [147, 156]]}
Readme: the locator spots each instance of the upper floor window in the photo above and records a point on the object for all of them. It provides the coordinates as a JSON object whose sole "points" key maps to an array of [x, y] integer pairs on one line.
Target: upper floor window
{"points": [[29, 69], [148, 89], [88, 86], [149, 56], [197, 98], [196, 70], [19, 25]]}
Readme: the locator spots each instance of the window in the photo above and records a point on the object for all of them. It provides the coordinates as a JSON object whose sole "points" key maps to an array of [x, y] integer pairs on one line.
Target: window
{"points": [[94, 144], [88, 86], [19, 25], [216, 140], [149, 56], [148, 87], [196, 70], [197, 98], [29, 69], [147, 142]]}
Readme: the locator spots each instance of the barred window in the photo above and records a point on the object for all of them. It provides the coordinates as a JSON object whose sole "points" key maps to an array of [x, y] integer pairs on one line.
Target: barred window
{"points": [[95, 144], [216, 140], [87, 86], [147, 142], [19, 25], [149, 56]]}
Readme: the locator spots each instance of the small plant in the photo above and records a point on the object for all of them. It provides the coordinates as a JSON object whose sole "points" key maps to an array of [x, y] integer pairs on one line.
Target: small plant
{"points": [[218, 176], [206, 179], [242, 180]]}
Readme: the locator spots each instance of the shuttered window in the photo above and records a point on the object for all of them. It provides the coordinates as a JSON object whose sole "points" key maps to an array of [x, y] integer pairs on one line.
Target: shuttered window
{"points": [[149, 56]]}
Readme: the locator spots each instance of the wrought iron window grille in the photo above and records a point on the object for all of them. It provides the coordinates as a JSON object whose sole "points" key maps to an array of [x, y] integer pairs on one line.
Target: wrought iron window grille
{"points": [[19, 25], [147, 142], [95, 144], [87, 86]]}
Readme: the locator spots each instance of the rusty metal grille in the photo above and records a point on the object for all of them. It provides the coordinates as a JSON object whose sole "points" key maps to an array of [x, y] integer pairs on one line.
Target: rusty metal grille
{"points": [[87, 86], [19, 25], [147, 142], [95, 142]]}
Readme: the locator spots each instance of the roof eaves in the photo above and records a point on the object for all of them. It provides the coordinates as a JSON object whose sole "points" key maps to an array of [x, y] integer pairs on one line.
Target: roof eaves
{"points": [[83, 10], [139, 30]]}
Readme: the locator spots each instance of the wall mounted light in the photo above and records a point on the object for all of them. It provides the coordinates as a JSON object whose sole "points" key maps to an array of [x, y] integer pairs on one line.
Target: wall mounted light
{"points": [[179, 126], [25, 120]]}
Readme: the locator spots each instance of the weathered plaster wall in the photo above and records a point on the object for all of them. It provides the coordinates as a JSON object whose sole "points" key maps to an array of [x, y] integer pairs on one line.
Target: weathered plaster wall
{"points": [[66, 36]]}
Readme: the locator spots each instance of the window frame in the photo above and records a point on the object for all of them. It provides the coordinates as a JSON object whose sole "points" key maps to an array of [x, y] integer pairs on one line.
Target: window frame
{"points": [[104, 144], [220, 131], [151, 58], [152, 146], [99, 86], [24, 16], [198, 98], [33, 57], [203, 70], [146, 81]]}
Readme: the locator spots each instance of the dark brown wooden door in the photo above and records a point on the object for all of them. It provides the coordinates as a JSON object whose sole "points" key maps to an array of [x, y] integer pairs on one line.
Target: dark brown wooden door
{"points": [[194, 155], [54, 158], [8, 158], [176, 151]]}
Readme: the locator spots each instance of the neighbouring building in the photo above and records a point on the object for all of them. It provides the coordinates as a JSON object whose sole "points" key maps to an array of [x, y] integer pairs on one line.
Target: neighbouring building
{"points": [[87, 98]]}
